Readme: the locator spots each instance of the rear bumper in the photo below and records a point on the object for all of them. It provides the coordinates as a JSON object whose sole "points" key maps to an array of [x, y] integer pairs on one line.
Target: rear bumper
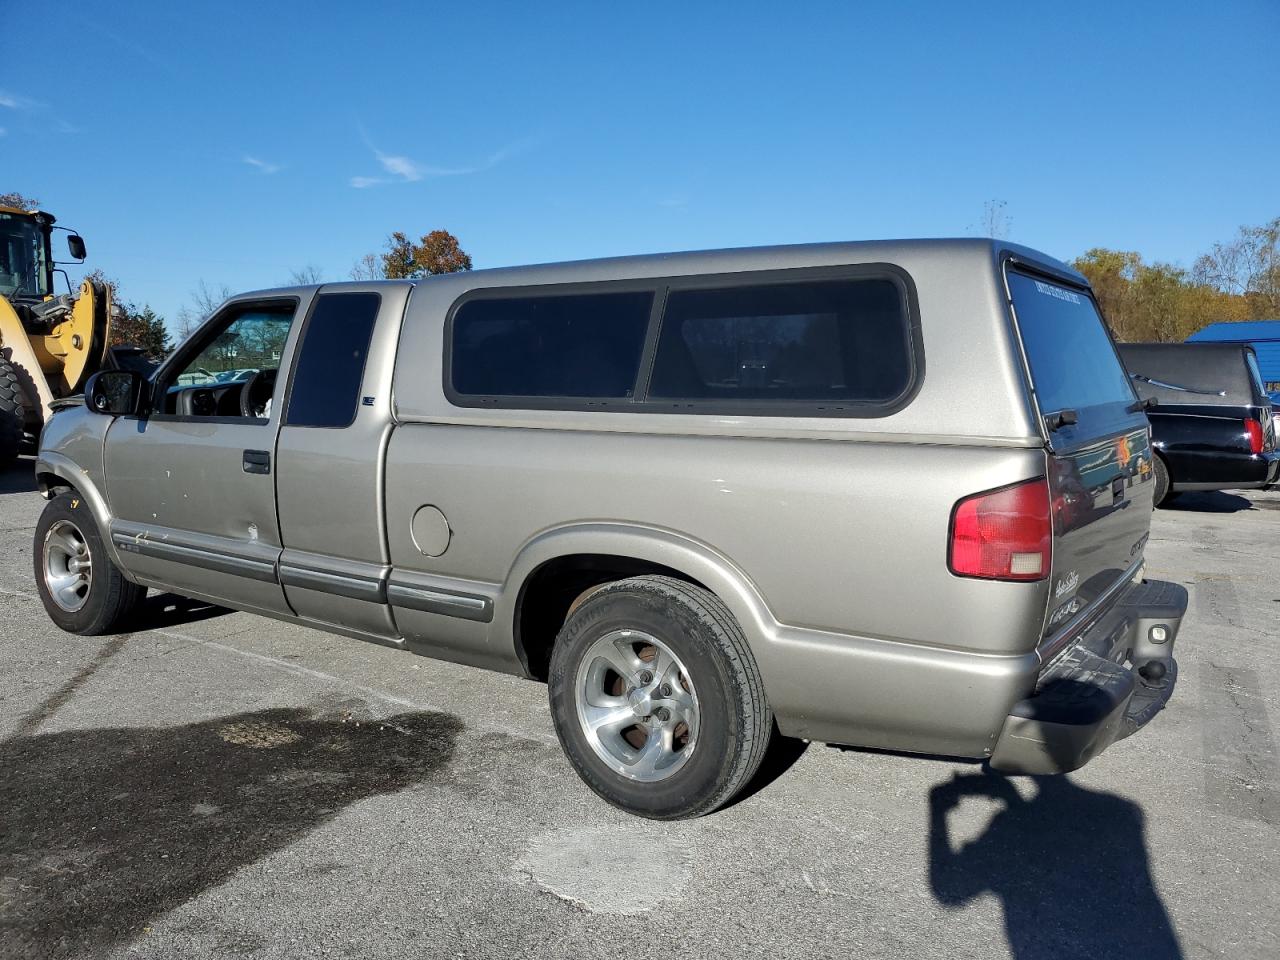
{"points": [[1106, 686], [1221, 470]]}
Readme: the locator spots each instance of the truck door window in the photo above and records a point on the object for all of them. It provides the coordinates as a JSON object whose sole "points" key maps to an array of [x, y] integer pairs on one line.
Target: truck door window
{"points": [[330, 368], [242, 355]]}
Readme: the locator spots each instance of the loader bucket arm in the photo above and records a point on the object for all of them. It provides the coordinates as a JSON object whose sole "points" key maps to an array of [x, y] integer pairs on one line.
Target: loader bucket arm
{"points": [[76, 346]]}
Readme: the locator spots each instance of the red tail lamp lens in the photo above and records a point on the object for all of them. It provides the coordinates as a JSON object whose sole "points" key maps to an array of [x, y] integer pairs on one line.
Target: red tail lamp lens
{"points": [[1004, 534], [1254, 429]]}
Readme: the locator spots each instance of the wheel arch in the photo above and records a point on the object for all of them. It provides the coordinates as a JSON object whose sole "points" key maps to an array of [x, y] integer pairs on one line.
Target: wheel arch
{"points": [[571, 560], [56, 473]]}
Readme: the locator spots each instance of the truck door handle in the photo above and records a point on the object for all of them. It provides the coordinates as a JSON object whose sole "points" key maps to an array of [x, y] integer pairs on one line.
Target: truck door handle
{"points": [[256, 461]]}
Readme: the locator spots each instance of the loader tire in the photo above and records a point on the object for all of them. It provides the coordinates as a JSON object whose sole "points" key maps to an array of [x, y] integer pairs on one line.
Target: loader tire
{"points": [[12, 419]]}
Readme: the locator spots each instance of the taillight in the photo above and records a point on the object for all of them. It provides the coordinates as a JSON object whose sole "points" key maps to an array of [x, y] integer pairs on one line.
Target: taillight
{"points": [[1254, 429], [1004, 534]]}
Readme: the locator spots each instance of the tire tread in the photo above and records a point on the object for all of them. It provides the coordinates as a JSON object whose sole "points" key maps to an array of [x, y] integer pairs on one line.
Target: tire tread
{"points": [[12, 413], [753, 705]]}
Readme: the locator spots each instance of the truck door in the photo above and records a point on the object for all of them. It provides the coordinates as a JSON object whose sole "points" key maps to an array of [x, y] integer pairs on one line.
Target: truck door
{"points": [[330, 460], [191, 485]]}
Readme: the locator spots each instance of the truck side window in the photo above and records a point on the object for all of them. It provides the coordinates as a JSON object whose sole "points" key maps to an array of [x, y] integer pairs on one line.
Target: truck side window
{"points": [[572, 346], [836, 340], [330, 369]]}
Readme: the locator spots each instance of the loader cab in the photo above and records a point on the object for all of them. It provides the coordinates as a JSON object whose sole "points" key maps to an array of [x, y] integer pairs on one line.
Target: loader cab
{"points": [[26, 256]]}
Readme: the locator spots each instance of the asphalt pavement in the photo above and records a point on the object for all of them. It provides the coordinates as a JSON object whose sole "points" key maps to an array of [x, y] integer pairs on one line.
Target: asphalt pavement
{"points": [[214, 784]]}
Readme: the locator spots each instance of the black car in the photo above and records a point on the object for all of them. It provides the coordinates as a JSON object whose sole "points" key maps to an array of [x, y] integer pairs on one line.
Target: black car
{"points": [[1211, 419]]}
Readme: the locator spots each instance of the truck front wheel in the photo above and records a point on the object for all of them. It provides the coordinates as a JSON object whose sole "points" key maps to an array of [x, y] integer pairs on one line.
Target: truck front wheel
{"points": [[82, 590]]}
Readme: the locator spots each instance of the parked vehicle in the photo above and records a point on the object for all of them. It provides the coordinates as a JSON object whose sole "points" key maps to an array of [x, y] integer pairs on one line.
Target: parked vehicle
{"points": [[844, 488], [1212, 426], [1262, 335]]}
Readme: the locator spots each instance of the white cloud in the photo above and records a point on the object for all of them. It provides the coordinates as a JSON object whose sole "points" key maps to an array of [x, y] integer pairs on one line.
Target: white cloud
{"points": [[403, 169], [15, 102], [264, 166]]}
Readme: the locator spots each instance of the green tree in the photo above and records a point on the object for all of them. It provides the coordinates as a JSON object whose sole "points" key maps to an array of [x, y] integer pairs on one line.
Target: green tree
{"points": [[436, 252], [142, 328], [133, 327]]}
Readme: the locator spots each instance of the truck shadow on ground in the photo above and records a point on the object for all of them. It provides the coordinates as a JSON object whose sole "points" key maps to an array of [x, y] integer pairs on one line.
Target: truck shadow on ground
{"points": [[106, 830], [1207, 501], [163, 610], [1070, 867]]}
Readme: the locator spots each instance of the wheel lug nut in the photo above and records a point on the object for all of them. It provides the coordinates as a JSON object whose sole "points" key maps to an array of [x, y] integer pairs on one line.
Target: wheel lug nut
{"points": [[645, 677], [665, 690], [663, 714]]}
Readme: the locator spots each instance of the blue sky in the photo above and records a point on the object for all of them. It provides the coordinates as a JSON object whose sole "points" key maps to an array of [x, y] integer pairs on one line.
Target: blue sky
{"points": [[240, 142]]}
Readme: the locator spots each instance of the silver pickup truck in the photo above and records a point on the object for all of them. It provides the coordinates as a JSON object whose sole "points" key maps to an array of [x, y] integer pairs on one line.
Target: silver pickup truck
{"points": [[893, 495]]}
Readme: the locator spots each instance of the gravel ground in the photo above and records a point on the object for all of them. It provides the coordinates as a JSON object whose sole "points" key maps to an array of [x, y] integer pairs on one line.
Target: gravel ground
{"points": [[219, 785]]}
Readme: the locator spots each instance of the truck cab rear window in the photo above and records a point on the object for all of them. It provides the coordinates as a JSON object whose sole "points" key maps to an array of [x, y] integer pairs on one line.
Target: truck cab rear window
{"points": [[582, 346], [843, 341], [1073, 363], [335, 345]]}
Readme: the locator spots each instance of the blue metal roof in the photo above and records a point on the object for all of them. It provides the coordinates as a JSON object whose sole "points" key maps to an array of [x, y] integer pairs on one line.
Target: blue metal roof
{"points": [[1243, 331]]}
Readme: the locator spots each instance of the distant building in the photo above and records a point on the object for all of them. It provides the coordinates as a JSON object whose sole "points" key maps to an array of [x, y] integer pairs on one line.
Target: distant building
{"points": [[1262, 335]]}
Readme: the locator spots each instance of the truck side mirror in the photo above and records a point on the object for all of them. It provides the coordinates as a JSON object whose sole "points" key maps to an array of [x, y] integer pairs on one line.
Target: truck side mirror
{"points": [[75, 246], [115, 392]]}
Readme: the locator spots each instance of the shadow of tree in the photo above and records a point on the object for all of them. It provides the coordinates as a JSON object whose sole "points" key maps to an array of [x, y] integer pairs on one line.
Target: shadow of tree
{"points": [[1069, 866], [106, 829]]}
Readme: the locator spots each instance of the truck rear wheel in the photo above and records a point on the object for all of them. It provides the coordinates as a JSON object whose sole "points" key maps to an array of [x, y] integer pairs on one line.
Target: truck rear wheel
{"points": [[657, 699], [81, 589], [12, 419]]}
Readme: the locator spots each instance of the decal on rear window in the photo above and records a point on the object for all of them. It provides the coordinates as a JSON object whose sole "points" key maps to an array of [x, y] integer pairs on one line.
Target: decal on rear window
{"points": [[1048, 289]]}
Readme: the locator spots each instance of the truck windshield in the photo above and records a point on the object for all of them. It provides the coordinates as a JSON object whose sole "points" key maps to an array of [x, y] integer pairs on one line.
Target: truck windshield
{"points": [[23, 271], [1073, 364]]}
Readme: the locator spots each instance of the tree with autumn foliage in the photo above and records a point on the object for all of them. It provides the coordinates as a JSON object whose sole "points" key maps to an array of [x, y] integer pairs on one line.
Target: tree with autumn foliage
{"points": [[1156, 301], [436, 252]]}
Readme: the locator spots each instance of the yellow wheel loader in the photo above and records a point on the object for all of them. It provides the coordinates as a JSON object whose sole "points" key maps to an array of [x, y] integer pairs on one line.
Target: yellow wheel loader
{"points": [[49, 344]]}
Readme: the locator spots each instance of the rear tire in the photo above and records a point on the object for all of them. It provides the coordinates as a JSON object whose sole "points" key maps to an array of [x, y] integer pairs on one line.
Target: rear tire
{"points": [[81, 589], [1161, 475], [12, 414], [664, 670]]}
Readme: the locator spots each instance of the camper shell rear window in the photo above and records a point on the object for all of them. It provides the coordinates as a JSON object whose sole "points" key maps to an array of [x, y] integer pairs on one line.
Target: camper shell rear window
{"points": [[1072, 360]]}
